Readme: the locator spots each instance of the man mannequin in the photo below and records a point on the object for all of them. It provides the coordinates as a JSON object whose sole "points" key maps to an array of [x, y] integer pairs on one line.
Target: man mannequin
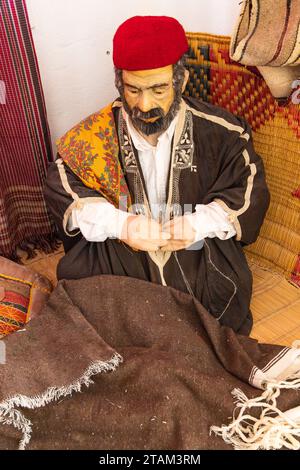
{"points": [[191, 188]]}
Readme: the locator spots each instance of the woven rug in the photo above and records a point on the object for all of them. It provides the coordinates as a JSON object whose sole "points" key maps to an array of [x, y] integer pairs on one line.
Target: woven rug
{"points": [[25, 146], [214, 77]]}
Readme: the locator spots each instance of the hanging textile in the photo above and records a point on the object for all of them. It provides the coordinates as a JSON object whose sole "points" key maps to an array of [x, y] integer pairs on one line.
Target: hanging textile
{"points": [[267, 36], [25, 146]]}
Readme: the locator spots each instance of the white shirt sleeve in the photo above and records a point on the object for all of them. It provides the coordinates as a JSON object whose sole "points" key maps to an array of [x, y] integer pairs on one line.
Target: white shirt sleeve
{"points": [[210, 220], [98, 221]]}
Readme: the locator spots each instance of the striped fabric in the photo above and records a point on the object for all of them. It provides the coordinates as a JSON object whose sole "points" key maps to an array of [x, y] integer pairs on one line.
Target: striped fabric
{"points": [[23, 293], [267, 33], [25, 145], [13, 305]]}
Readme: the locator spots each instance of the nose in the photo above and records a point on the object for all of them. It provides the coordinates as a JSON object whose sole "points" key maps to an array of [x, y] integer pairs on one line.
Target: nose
{"points": [[145, 103]]}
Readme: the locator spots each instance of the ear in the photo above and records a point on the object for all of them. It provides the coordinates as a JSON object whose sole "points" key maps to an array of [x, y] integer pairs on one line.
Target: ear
{"points": [[186, 77]]}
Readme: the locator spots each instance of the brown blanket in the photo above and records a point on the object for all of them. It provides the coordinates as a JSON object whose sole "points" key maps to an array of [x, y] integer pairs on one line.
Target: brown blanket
{"points": [[173, 371]]}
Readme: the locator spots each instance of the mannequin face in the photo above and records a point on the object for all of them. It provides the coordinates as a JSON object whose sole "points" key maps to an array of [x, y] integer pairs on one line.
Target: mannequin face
{"points": [[149, 89], [150, 99]]}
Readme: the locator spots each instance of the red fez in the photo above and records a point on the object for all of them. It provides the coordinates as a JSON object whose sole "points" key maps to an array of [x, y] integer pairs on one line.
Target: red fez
{"points": [[148, 42]]}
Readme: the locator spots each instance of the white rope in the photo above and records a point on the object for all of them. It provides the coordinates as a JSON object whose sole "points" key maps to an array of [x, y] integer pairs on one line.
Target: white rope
{"points": [[273, 429]]}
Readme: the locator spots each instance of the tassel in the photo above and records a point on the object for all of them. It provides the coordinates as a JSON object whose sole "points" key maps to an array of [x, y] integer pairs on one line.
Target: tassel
{"points": [[29, 249], [272, 430]]}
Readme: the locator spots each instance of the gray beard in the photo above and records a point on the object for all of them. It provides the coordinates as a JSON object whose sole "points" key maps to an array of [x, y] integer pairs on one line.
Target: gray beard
{"points": [[158, 126]]}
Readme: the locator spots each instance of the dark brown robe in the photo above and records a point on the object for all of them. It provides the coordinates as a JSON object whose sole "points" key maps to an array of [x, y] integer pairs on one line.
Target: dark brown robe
{"points": [[212, 160]]}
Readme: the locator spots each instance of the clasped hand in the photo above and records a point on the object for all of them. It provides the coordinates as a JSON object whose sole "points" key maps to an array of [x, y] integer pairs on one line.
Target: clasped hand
{"points": [[146, 234]]}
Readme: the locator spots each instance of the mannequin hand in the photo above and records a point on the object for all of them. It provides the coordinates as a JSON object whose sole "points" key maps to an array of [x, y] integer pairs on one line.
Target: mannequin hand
{"points": [[182, 234], [142, 233]]}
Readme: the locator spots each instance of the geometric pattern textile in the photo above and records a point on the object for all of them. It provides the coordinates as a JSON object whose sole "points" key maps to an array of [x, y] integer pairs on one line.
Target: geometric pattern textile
{"points": [[216, 78], [22, 295], [25, 147]]}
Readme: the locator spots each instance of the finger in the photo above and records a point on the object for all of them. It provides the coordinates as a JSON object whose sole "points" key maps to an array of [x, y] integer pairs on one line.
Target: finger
{"points": [[182, 230], [153, 241], [146, 247], [167, 225], [149, 245], [175, 245], [178, 228], [153, 230], [165, 235], [158, 235], [172, 247], [171, 223], [154, 245], [169, 248], [150, 248]]}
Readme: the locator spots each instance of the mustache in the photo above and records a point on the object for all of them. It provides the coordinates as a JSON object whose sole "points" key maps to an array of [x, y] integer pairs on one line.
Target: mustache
{"points": [[136, 113]]}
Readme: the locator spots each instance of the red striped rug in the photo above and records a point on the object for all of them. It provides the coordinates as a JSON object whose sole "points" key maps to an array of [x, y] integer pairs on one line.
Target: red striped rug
{"points": [[25, 145]]}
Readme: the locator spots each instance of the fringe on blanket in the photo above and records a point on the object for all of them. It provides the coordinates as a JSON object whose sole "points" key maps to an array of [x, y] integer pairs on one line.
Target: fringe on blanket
{"points": [[47, 244], [273, 429], [11, 416]]}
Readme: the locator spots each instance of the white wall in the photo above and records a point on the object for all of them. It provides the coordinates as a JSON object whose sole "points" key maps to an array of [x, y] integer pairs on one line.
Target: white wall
{"points": [[73, 41]]}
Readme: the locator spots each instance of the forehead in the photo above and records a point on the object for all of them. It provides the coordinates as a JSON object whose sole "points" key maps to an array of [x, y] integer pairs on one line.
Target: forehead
{"points": [[142, 78]]}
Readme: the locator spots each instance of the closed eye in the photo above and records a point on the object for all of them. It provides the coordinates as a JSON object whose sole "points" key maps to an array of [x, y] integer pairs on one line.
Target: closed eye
{"points": [[132, 90], [160, 90]]}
